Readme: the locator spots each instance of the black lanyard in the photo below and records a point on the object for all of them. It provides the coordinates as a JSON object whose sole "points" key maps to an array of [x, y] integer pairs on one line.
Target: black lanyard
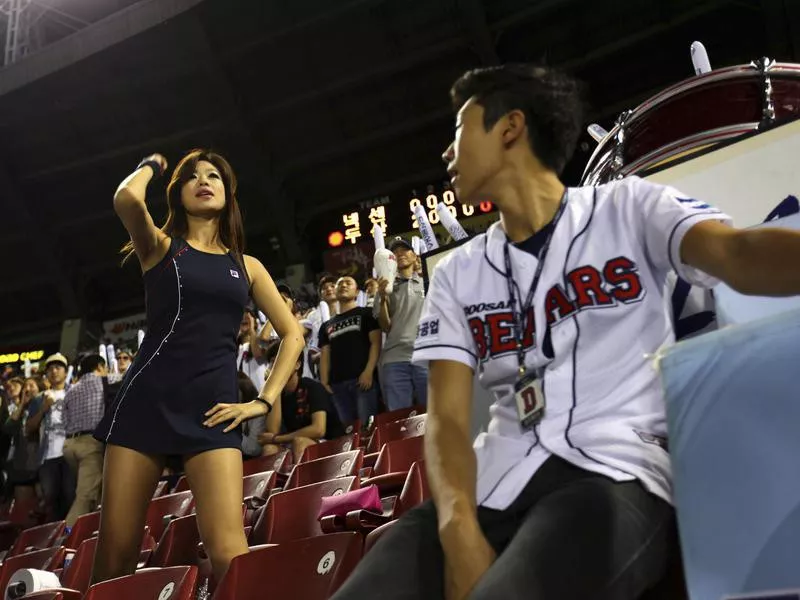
{"points": [[518, 316]]}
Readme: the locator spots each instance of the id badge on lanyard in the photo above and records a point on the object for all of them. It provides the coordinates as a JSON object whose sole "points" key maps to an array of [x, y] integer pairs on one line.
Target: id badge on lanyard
{"points": [[528, 389]]}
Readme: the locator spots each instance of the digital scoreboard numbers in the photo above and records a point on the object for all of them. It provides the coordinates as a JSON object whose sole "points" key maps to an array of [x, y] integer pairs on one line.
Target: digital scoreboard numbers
{"points": [[398, 218]]}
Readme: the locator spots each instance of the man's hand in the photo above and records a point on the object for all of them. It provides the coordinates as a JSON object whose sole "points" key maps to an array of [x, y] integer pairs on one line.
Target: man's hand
{"points": [[49, 400], [327, 387], [382, 285], [365, 381], [266, 438], [468, 556]]}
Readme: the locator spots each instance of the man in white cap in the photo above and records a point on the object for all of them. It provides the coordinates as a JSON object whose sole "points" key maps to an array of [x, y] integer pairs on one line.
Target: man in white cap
{"points": [[46, 416], [398, 315]]}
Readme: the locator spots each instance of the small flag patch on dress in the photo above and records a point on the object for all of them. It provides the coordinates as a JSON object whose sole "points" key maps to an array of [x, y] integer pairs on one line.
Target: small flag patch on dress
{"points": [[235, 273]]}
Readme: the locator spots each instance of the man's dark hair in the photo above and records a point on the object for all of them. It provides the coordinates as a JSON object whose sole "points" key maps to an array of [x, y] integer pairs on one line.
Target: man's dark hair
{"points": [[272, 352], [89, 363], [550, 100]]}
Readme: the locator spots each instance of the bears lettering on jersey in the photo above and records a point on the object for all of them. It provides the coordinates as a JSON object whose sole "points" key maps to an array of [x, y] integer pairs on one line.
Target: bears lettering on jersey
{"points": [[491, 324]]}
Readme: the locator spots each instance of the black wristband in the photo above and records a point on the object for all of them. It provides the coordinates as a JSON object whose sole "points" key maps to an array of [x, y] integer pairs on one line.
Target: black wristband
{"points": [[269, 406], [153, 164]]}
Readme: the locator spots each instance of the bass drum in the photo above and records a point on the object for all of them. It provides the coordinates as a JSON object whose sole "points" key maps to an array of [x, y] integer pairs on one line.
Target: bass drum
{"points": [[696, 114]]}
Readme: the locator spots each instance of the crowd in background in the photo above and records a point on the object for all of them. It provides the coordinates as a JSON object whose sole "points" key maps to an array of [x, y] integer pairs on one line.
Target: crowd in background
{"points": [[356, 363]]}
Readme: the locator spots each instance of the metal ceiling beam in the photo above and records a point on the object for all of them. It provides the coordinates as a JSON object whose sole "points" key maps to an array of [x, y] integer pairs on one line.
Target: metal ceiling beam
{"points": [[473, 14]]}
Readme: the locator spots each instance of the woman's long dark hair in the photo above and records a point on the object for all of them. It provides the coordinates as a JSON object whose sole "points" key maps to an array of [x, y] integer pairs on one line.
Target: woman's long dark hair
{"points": [[231, 227]]}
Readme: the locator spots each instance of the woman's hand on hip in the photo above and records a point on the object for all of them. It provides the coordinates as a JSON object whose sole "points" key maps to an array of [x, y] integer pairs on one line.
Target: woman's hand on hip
{"points": [[236, 412]]}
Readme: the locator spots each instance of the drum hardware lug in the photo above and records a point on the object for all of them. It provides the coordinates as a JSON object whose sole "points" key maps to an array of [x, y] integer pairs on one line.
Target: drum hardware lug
{"points": [[764, 65], [618, 161]]}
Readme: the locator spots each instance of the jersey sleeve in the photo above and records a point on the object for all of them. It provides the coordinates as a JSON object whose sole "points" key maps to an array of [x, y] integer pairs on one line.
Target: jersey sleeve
{"points": [[443, 332], [665, 216], [370, 322]]}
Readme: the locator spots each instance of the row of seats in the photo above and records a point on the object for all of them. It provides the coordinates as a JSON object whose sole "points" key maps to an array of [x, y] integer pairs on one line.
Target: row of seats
{"points": [[280, 507]]}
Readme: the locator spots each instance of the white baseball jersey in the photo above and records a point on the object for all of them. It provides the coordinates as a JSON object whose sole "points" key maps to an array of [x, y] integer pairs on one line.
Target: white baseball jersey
{"points": [[602, 294]]}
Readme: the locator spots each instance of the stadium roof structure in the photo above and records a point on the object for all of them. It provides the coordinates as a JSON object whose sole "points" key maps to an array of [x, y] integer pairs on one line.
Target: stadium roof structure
{"points": [[317, 103]]}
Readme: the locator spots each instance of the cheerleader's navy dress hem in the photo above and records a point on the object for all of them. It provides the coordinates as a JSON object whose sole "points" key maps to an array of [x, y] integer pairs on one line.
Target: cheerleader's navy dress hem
{"points": [[187, 361]]}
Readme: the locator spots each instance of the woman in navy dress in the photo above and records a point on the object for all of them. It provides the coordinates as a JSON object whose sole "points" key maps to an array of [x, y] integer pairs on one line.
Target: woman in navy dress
{"points": [[180, 395]]}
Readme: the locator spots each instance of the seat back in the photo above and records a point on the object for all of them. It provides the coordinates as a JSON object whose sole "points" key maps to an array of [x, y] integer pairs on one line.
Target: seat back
{"points": [[258, 485], [415, 491], [177, 505], [374, 536], [175, 583], [37, 538], [83, 529], [397, 430], [292, 514], [182, 485], [78, 575], [318, 566], [44, 560], [277, 462], [343, 464], [399, 455], [160, 489], [19, 512], [178, 545], [397, 415], [342, 444]]}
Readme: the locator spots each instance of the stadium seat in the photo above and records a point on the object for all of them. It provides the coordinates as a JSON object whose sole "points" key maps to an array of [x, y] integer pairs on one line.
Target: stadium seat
{"points": [[414, 492], [85, 527], [175, 583], [279, 463], [292, 514], [375, 535], [397, 430], [160, 489], [256, 489], [178, 544], [397, 415], [343, 464], [59, 594], [78, 574], [182, 485], [318, 566], [45, 560], [19, 516], [394, 463], [342, 444], [37, 538], [165, 508]]}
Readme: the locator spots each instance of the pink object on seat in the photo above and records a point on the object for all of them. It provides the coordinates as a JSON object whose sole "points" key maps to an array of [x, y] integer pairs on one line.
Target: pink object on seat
{"points": [[361, 499]]}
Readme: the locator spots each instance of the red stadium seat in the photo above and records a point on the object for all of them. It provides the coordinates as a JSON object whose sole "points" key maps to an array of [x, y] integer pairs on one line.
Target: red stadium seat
{"points": [[175, 583], [178, 544], [160, 489], [375, 535], [415, 491], [59, 594], [171, 506], [256, 489], [344, 464], [279, 463], [397, 415], [84, 528], [182, 485], [78, 575], [318, 566], [397, 430], [19, 517], [394, 463], [331, 447], [37, 538], [292, 514], [45, 560]]}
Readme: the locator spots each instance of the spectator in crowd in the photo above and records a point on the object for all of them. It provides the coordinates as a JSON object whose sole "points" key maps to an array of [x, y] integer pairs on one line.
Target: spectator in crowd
{"points": [[12, 390], [250, 359], [398, 315], [23, 456], [46, 416], [84, 406], [313, 322], [268, 336], [124, 358], [252, 428], [350, 346], [370, 289], [305, 414]]}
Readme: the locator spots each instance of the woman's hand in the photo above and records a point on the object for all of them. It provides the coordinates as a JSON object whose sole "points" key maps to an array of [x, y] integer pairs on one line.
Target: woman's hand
{"points": [[160, 160], [238, 412]]}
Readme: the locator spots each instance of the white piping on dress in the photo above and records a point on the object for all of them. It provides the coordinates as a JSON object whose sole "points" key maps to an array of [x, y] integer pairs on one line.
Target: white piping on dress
{"points": [[164, 341]]}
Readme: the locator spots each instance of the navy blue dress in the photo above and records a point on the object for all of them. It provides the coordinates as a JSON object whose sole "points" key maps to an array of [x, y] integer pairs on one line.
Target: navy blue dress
{"points": [[187, 361]]}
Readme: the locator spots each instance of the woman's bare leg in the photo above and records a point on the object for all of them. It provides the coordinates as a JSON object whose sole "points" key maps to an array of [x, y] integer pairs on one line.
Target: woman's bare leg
{"points": [[215, 478], [129, 480]]}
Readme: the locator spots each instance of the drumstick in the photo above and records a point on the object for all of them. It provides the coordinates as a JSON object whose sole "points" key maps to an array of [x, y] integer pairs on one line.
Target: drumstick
{"points": [[699, 58], [597, 132]]}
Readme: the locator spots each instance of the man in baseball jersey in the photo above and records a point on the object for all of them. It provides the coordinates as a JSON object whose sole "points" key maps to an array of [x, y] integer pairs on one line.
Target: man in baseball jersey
{"points": [[560, 308]]}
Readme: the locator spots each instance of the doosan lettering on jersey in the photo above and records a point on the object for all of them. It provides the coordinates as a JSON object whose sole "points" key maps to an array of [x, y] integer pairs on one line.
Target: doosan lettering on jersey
{"points": [[599, 314]]}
